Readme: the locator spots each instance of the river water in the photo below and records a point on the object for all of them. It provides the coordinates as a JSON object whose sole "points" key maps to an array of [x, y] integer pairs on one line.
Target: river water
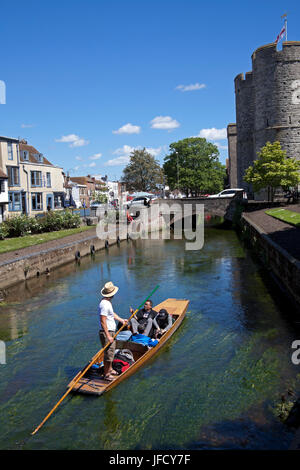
{"points": [[215, 385]]}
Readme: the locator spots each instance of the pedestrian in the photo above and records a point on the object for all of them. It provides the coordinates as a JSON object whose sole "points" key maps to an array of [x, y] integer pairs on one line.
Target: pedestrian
{"points": [[108, 328]]}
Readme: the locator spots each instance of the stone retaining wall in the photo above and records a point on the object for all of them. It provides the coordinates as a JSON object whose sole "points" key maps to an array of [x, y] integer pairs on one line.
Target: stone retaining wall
{"points": [[284, 267], [43, 261]]}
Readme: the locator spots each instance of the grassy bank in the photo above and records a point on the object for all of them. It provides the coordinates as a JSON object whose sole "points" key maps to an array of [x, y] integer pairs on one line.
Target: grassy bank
{"points": [[11, 244], [290, 217]]}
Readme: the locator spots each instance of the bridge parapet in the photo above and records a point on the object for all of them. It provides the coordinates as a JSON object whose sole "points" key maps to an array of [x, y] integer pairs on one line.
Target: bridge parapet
{"points": [[221, 207]]}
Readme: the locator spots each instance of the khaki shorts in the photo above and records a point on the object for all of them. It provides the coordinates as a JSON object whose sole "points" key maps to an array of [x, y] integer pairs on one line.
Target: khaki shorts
{"points": [[109, 352]]}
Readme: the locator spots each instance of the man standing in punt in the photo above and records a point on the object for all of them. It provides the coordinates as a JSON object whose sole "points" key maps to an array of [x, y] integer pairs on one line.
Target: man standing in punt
{"points": [[108, 328]]}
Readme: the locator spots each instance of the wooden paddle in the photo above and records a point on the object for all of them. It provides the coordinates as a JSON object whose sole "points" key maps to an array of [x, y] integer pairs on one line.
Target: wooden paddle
{"points": [[94, 359]]}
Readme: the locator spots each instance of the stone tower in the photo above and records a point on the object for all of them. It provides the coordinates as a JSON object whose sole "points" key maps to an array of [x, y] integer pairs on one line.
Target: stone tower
{"points": [[267, 106]]}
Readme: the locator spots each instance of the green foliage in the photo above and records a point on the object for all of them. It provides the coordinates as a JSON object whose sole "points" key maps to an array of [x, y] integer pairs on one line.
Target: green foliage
{"points": [[3, 231], [143, 172], [193, 166], [22, 225], [71, 220], [100, 196], [56, 220], [282, 409], [18, 226], [273, 169]]}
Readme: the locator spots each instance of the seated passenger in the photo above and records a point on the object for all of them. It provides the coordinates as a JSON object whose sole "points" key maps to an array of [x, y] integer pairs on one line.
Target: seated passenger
{"points": [[141, 338], [144, 317], [162, 322], [125, 335]]}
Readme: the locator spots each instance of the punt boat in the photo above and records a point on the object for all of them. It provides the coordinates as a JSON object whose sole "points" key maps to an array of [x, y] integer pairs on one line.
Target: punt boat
{"points": [[93, 384]]}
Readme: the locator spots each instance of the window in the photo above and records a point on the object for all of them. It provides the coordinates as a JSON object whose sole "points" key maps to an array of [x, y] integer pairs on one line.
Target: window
{"points": [[25, 155], [13, 175], [36, 178], [58, 202], [48, 176], [10, 151], [229, 192], [37, 201], [14, 201], [39, 157], [2, 186]]}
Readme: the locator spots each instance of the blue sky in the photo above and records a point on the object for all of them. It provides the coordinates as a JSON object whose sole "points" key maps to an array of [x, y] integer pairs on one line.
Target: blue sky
{"points": [[88, 81]]}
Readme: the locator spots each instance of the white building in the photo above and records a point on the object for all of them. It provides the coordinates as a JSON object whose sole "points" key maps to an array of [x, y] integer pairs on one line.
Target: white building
{"points": [[34, 184], [3, 195]]}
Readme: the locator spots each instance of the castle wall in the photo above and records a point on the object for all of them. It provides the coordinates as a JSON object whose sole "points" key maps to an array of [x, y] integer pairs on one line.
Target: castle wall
{"points": [[232, 141], [268, 105], [245, 105]]}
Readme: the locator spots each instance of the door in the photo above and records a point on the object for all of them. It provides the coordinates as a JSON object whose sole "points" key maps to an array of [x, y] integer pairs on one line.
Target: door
{"points": [[49, 201], [24, 203]]}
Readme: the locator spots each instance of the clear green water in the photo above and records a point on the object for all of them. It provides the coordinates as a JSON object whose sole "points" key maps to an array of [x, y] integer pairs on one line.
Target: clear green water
{"points": [[214, 385]]}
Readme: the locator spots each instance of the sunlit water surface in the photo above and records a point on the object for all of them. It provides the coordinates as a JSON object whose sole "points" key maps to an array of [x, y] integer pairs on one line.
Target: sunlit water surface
{"points": [[214, 385]]}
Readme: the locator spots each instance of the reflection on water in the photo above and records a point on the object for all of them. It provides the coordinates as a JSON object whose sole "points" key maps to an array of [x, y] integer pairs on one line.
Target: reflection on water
{"points": [[213, 385]]}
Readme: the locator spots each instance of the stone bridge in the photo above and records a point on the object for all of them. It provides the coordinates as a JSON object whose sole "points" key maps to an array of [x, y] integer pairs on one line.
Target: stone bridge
{"points": [[221, 207]]}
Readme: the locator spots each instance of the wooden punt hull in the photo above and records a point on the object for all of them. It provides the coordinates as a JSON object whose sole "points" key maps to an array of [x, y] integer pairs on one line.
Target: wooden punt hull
{"points": [[92, 383]]}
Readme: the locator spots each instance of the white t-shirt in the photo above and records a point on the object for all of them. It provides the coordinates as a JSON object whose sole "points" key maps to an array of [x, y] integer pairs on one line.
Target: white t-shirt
{"points": [[105, 309]]}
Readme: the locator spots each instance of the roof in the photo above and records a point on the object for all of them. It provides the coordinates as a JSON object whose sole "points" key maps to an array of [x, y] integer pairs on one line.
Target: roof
{"points": [[32, 151], [2, 174], [3, 137], [86, 179], [71, 180]]}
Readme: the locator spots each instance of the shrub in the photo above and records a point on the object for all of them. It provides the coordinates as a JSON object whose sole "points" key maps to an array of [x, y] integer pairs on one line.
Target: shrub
{"points": [[21, 225], [71, 220], [3, 231], [52, 221], [18, 226]]}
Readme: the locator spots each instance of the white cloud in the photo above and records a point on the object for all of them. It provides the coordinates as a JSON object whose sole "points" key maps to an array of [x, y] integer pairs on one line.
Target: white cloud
{"points": [[27, 126], [96, 156], [91, 165], [213, 133], [123, 160], [164, 122], [73, 139], [128, 129], [221, 147], [78, 158], [154, 151], [125, 152], [76, 168], [192, 87]]}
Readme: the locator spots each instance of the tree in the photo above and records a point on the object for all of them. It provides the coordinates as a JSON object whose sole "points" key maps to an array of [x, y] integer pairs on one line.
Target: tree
{"points": [[273, 169], [143, 172], [100, 195], [193, 167]]}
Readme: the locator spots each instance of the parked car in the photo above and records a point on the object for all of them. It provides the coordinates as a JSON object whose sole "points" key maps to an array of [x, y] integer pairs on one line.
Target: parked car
{"points": [[139, 201], [229, 193]]}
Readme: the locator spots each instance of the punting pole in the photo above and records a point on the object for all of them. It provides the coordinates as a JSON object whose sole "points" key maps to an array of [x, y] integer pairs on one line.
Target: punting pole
{"points": [[90, 365]]}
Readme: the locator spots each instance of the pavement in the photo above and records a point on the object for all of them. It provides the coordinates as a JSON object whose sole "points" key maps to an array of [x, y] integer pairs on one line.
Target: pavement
{"points": [[285, 235], [11, 256]]}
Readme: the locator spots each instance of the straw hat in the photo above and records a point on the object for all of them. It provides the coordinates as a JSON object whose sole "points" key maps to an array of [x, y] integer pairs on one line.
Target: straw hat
{"points": [[109, 290]]}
